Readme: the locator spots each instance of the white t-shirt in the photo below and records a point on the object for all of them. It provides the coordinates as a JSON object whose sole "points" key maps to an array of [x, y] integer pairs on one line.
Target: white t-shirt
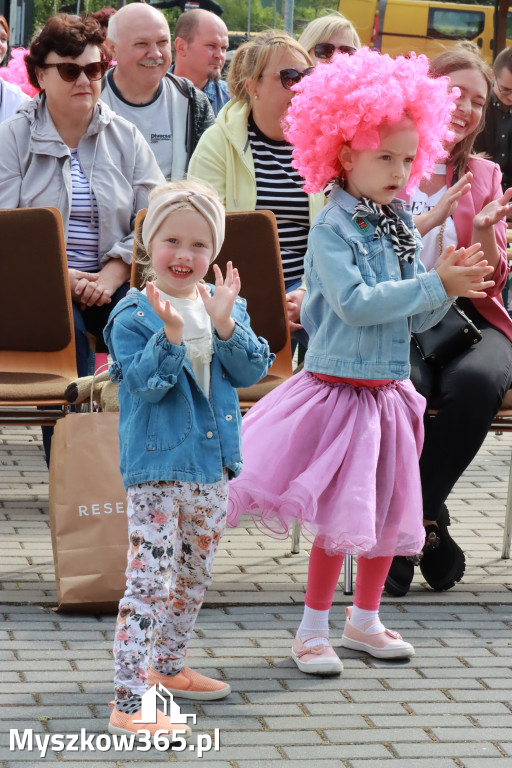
{"points": [[421, 203], [197, 336]]}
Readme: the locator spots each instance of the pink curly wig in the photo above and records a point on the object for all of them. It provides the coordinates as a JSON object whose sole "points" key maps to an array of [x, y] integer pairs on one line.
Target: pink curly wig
{"points": [[16, 72], [349, 99]]}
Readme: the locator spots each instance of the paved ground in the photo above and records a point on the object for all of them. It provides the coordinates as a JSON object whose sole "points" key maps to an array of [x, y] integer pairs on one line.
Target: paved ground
{"points": [[449, 706]]}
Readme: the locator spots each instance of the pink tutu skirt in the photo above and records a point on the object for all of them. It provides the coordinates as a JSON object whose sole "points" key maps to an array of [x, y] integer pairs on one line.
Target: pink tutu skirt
{"points": [[341, 459]]}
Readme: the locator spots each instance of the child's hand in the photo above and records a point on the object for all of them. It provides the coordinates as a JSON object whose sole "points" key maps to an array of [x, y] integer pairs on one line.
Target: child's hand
{"points": [[462, 272], [293, 304], [493, 211], [173, 321], [220, 305]]}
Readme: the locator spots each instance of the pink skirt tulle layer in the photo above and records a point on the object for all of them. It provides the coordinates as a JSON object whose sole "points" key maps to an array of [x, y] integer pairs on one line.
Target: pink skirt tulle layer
{"points": [[343, 460]]}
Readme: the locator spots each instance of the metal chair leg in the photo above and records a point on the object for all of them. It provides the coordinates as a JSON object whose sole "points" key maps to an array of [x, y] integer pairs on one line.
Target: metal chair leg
{"points": [[347, 565], [295, 538], [507, 532]]}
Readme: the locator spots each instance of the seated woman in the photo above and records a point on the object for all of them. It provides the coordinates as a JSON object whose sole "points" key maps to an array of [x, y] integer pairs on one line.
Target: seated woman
{"points": [[327, 35], [66, 149], [11, 96], [246, 158], [461, 204]]}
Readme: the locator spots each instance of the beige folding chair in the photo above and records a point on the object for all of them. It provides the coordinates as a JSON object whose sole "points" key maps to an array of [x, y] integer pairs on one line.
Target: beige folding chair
{"points": [[37, 341]]}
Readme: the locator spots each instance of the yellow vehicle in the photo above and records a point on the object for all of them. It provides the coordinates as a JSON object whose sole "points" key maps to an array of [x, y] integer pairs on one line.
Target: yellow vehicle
{"points": [[401, 26]]}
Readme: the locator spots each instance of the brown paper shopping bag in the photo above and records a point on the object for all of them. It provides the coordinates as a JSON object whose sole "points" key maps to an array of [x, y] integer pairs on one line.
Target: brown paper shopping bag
{"points": [[88, 513]]}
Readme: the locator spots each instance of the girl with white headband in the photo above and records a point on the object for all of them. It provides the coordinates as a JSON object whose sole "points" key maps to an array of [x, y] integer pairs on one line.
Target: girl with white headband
{"points": [[180, 347]]}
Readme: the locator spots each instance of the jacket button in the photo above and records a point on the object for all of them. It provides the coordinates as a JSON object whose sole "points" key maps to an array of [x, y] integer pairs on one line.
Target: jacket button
{"points": [[140, 314], [228, 417], [209, 435]]}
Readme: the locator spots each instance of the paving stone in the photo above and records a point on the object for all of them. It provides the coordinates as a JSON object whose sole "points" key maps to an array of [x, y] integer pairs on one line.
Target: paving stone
{"points": [[411, 763], [368, 751], [437, 749]]}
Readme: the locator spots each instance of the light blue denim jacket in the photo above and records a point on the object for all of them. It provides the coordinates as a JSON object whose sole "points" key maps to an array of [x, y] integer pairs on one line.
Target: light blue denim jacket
{"points": [[168, 428], [361, 303]]}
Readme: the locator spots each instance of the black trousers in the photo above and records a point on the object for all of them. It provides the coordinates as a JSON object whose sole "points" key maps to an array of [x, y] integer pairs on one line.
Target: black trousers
{"points": [[468, 392]]}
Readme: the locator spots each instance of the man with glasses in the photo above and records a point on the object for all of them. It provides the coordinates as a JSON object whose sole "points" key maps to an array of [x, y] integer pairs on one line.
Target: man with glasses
{"points": [[169, 111], [496, 138]]}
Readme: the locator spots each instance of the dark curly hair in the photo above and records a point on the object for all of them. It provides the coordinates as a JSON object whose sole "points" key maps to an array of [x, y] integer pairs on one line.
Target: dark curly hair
{"points": [[66, 35]]}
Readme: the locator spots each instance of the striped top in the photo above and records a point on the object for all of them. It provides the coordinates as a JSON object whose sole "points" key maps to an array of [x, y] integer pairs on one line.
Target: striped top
{"points": [[279, 189], [82, 242]]}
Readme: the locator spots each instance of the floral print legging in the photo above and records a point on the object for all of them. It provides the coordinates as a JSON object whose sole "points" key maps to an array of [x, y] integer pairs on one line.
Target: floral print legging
{"points": [[174, 530]]}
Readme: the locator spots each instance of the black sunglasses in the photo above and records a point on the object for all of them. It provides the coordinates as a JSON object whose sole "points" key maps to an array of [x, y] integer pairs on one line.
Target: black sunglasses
{"points": [[326, 50], [291, 76], [71, 72]]}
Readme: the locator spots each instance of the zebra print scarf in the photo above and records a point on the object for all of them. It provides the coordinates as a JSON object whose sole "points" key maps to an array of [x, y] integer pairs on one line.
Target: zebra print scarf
{"points": [[390, 225]]}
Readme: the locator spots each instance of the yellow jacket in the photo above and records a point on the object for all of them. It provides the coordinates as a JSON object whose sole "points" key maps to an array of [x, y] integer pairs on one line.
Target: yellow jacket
{"points": [[223, 158]]}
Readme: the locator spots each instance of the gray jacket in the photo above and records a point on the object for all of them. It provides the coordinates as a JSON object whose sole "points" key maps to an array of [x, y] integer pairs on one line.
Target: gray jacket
{"points": [[35, 170]]}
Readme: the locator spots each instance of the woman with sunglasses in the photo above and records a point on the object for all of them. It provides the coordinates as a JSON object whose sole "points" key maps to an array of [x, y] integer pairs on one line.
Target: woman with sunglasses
{"points": [[11, 95], [66, 149], [246, 158], [328, 35]]}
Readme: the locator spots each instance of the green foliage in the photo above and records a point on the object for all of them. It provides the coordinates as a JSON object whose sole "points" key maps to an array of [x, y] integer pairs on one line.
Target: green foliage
{"points": [[235, 15], [235, 12]]}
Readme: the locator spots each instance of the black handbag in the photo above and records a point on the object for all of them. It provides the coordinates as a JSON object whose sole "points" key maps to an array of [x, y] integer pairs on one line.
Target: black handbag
{"points": [[452, 335]]}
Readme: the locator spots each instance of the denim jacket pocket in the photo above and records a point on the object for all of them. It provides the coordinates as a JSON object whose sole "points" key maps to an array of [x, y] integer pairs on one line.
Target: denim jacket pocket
{"points": [[165, 437], [369, 260]]}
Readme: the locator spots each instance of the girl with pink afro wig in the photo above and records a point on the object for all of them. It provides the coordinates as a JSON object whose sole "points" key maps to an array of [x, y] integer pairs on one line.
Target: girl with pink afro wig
{"points": [[337, 445], [349, 99]]}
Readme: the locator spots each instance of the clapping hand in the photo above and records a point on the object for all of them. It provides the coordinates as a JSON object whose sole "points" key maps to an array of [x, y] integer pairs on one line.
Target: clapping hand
{"points": [[448, 202], [220, 305], [462, 271], [173, 321], [493, 211]]}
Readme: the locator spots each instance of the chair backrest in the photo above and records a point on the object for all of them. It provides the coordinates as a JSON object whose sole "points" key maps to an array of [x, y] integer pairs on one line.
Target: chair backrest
{"points": [[252, 244], [35, 303]]}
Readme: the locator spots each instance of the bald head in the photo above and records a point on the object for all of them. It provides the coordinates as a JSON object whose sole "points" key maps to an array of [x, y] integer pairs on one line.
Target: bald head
{"points": [[132, 15], [201, 42], [189, 22], [140, 42]]}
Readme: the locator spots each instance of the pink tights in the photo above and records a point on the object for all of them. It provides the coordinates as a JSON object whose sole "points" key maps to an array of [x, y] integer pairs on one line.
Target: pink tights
{"points": [[324, 573]]}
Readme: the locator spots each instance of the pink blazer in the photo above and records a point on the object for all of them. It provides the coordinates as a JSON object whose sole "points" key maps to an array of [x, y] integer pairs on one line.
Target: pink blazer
{"points": [[485, 187]]}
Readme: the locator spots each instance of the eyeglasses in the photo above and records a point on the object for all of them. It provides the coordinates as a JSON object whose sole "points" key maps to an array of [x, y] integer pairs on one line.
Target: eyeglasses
{"points": [[502, 90], [292, 76], [326, 50], [71, 72]]}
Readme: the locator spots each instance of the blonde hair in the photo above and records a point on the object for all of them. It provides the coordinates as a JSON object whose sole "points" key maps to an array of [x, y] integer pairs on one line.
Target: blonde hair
{"points": [[463, 55], [321, 29], [191, 185], [252, 57]]}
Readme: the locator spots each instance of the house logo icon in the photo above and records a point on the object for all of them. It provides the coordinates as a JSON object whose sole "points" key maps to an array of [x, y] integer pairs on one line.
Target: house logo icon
{"points": [[171, 709]]}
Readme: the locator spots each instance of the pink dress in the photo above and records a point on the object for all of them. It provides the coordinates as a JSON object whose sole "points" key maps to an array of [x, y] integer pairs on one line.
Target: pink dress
{"points": [[342, 459]]}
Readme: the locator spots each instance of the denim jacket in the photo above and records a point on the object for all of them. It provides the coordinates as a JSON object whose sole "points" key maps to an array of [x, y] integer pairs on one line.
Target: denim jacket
{"points": [[168, 428], [362, 302]]}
